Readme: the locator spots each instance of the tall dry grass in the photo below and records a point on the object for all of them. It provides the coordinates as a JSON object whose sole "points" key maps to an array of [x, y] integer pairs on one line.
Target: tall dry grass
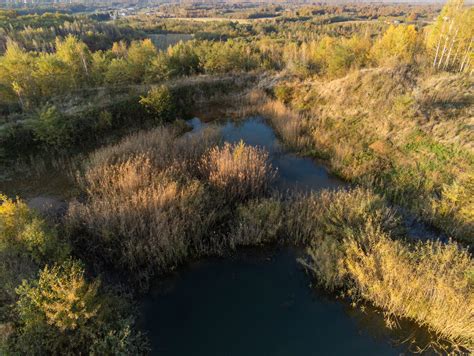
{"points": [[145, 209], [426, 282], [258, 222], [151, 199], [237, 170], [139, 219], [390, 129], [294, 129], [353, 247]]}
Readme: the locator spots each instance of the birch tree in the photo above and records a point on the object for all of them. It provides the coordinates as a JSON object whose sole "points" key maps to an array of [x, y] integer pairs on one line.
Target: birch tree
{"points": [[450, 38]]}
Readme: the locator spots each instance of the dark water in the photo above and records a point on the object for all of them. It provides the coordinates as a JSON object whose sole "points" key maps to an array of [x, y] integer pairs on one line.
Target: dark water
{"points": [[293, 171], [259, 302]]}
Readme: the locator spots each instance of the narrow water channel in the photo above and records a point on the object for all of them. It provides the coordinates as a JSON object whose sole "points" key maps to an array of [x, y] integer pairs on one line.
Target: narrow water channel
{"points": [[260, 302]]}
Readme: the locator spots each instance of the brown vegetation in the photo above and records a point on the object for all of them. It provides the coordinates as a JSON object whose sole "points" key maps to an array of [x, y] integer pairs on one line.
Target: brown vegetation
{"points": [[354, 249], [238, 171], [149, 206], [392, 130]]}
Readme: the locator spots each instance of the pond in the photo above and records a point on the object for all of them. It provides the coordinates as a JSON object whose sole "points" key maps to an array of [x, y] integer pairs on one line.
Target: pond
{"points": [[260, 302]]}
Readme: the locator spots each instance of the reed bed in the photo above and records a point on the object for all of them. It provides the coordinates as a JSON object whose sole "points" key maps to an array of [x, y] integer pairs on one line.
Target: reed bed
{"points": [[151, 200], [158, 198], [237, 170], [357, 246]]}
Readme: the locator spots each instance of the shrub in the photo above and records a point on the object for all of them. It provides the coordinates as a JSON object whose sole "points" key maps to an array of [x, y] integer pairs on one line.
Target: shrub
{"points": [[239, 171], [24, 231], [51, 127], [160, 103], [27, 243], [283, 93], [62, 312]]}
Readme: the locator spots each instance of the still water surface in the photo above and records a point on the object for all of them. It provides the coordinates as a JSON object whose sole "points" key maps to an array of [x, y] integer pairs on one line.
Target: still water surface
{"points": [[259, 302]]}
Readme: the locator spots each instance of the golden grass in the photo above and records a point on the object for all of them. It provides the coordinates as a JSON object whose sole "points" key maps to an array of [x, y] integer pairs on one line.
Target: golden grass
{"points": [[352, 248], [258, 222], [145, 211], [291, 127], [391, 130], [238, 170], [140, 220], [426, 282], [149, 204]]}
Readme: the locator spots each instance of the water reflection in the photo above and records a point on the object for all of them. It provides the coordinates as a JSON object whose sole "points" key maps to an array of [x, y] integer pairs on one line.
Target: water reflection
{"points": [[256, 303], [259, 302]]}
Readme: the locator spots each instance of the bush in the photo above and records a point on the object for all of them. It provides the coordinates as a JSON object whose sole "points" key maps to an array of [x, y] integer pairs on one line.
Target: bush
{"points": [[63, 313], [283, 93], [239, 171], [51, 127], [27, 233], [27, 243], [159, 102]]}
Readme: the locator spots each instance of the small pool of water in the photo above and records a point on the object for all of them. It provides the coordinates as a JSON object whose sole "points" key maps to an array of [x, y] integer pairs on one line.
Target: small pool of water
{"points": [[257, 303], [260, 302]]}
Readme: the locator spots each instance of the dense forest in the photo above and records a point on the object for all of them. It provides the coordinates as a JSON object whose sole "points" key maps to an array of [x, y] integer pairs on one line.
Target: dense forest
{"points": [[381, 94]]}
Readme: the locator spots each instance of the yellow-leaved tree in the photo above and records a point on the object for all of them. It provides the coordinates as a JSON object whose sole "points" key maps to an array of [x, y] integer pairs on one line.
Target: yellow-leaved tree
{"points": [[450, 39], [399, 44]]}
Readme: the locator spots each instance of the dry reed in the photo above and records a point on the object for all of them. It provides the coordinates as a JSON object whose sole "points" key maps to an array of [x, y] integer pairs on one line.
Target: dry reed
{"points": [[239, 171], [352, 247]]}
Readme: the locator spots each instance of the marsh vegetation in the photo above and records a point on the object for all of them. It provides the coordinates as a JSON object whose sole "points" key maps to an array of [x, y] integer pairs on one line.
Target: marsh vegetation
{"points": [[372, 138]]}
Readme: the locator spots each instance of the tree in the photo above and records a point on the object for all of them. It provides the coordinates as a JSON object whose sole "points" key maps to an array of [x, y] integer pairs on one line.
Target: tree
{"points": [[399, 44], [139, 56], [27, 242], [63, 313], [176, 61], [450, 39], [16, 80], [51, 75], [51, 127], [77, 57]]}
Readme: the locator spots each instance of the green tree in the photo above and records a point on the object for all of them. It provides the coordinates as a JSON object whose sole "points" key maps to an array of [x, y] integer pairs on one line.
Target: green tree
{"points": [[176, 61], [139, 56], [16, 76], [51, 75], [77, 57], [63, 313], [27, 242]]}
